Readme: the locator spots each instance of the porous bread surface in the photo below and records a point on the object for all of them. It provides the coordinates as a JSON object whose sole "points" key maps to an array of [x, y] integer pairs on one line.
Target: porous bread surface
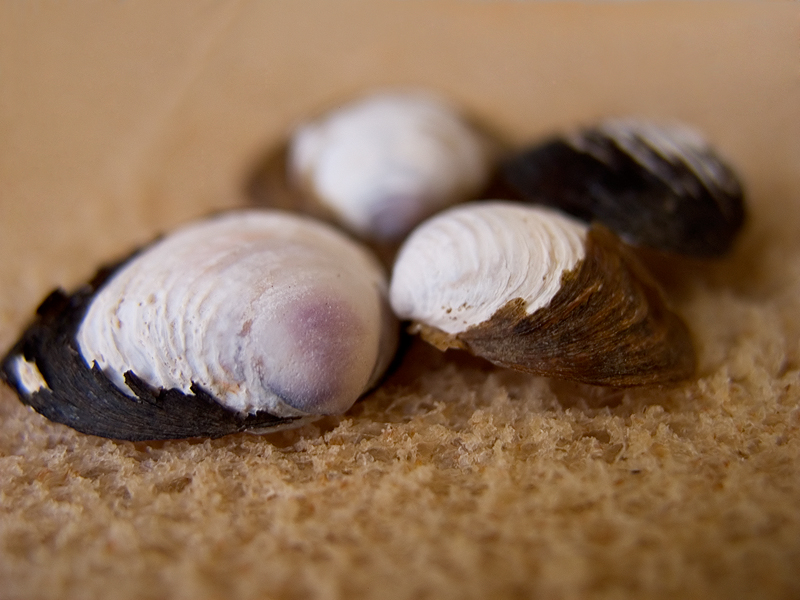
{"points": [[453, 480]]}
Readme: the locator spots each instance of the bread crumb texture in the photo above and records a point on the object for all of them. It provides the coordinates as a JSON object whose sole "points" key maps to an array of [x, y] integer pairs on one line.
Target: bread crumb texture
{"points": [[455, 479]]}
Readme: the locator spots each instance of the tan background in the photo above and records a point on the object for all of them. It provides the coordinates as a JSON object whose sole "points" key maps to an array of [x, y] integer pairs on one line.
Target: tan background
{"points": [[119, 120]]}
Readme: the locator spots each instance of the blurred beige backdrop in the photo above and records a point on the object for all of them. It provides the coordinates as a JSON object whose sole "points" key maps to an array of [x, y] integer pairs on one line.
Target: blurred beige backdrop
{"points": [[120, 119]]}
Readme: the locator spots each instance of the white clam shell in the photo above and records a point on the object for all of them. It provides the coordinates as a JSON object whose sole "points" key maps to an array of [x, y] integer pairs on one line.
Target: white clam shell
{"points": [[266, 311], [385, 163], [459, 268]]}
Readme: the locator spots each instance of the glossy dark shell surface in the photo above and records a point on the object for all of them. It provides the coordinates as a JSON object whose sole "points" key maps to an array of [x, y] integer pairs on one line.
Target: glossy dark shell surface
{"points": [[665, 205]]}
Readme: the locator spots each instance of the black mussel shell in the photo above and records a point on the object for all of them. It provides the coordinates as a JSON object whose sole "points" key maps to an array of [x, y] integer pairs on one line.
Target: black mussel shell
{"points": [[655, 186]]}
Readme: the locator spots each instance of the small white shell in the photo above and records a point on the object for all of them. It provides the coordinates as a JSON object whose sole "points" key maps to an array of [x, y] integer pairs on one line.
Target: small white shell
{"points": [[385, 163], [460, 267], [266, 311]]}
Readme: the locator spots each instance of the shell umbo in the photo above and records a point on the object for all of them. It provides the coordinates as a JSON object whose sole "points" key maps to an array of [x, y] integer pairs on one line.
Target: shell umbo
{"points": [[246, 321], [653, 185]]}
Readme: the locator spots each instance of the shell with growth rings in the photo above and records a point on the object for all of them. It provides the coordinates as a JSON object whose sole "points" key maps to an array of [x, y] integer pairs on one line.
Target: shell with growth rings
{"points": [[248, 321]]}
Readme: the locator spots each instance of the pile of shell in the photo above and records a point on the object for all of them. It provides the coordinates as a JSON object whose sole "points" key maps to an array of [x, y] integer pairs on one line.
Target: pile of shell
{"points": [[262, 319]]}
